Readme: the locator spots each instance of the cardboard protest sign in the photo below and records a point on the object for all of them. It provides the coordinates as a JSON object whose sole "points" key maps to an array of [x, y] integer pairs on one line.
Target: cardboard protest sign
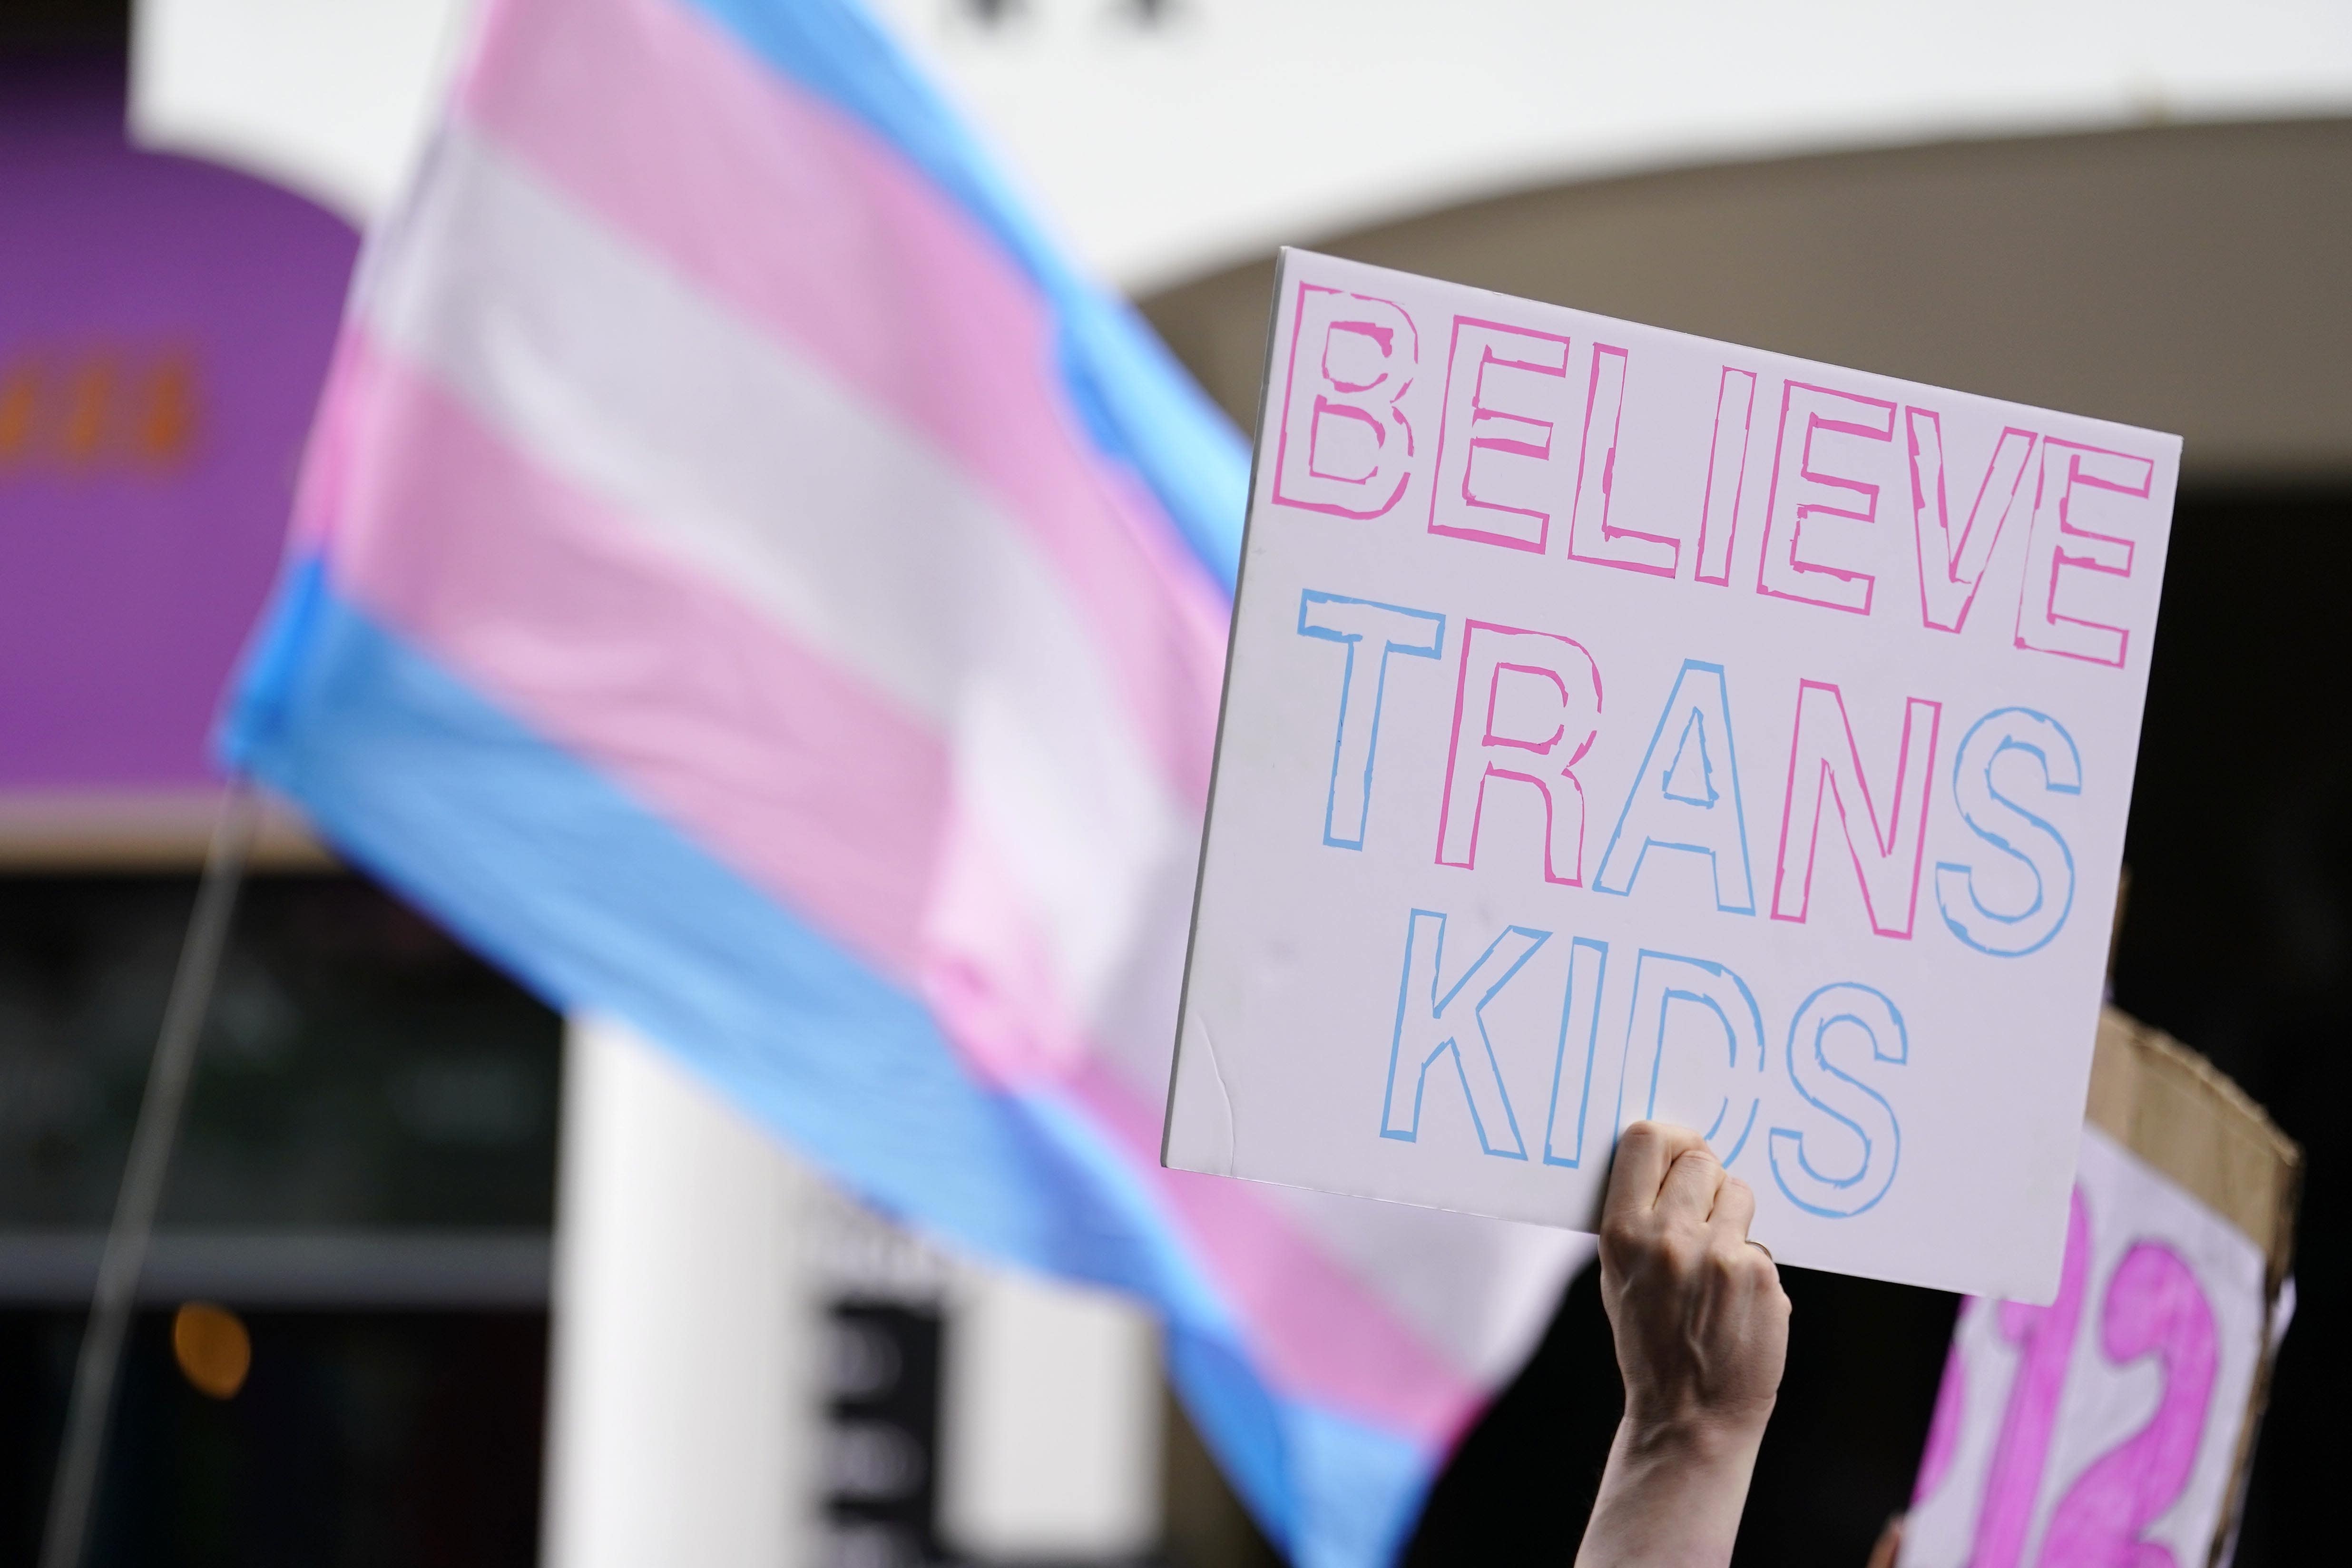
{"points": [[1620, 725], [2121, 1416]]}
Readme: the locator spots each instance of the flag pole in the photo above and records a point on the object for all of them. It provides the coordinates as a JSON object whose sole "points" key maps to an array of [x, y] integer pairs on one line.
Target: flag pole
{"points": [[97, 1369]]}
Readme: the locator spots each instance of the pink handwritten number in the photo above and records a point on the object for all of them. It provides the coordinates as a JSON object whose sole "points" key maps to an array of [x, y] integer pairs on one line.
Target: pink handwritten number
{"points": [[2154, 1307], [2045, 1340]]}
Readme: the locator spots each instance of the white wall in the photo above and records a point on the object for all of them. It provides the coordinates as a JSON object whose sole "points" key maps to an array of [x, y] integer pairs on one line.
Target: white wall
{"points": [[329, 98], [1239, 124]]}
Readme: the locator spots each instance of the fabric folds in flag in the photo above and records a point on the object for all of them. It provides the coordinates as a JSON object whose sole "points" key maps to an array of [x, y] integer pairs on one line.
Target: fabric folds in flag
{"points": [[747, 585]]}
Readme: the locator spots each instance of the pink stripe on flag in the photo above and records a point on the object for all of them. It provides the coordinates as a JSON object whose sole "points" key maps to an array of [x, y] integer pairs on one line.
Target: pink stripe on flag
{"points": [[802, 778], [813, 786], [987, 974], [1323, 1335], [806, 782], [810, 225]]}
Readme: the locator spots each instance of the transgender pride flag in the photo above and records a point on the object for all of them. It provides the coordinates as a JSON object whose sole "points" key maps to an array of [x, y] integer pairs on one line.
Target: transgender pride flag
{"points": [[746, 583]]}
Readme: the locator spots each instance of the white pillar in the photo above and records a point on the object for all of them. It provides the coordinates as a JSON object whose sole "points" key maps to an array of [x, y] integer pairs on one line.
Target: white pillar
{"points": [[693, 1259], [683, 1418], [1049, 1422]]}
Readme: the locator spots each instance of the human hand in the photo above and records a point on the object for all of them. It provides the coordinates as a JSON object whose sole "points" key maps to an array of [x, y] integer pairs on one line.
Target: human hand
{"points": [[1700, 1321], [1890, 1544], [1702, 1332]]}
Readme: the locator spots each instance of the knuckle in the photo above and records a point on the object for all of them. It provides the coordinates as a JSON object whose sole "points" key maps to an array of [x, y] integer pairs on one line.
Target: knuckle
{"points": [[1679, 1255]]}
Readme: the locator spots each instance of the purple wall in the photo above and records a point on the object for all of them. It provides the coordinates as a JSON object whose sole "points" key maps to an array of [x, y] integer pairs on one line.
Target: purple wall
{"points": [[164, 325]]}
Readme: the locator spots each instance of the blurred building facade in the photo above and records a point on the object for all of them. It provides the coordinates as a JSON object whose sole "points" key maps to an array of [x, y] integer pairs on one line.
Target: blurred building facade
{"points": [[366, 1172]]}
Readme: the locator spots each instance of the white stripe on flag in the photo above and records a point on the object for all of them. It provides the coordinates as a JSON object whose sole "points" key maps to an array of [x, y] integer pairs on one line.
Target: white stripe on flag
{"points": [[769, 477], [761, 472], [1479, 1290]]}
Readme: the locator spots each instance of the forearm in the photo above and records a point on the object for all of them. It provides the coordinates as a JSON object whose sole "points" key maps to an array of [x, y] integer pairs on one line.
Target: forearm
{"points": [[1669, 1498], [1702, 1332]]}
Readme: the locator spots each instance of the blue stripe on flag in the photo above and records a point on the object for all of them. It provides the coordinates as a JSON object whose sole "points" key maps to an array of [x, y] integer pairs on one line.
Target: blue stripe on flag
{"points": [[1136, 402], [553, 871], [1361, 1489]]}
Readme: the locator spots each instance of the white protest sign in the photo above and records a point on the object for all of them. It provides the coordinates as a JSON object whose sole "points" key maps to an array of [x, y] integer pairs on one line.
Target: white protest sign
{"points": [[1621, 723], [2106, 1426]]}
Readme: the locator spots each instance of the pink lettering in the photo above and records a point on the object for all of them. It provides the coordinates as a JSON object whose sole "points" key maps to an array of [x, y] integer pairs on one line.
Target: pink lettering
{"points": [[1590, 535], [2154, 1307], [2059, 545], [1726, 475], [2045, 1338], [1335, 451], [1812, 490], [1493, 448], [1825, 764], [1527, 683], [1950, 570]]}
